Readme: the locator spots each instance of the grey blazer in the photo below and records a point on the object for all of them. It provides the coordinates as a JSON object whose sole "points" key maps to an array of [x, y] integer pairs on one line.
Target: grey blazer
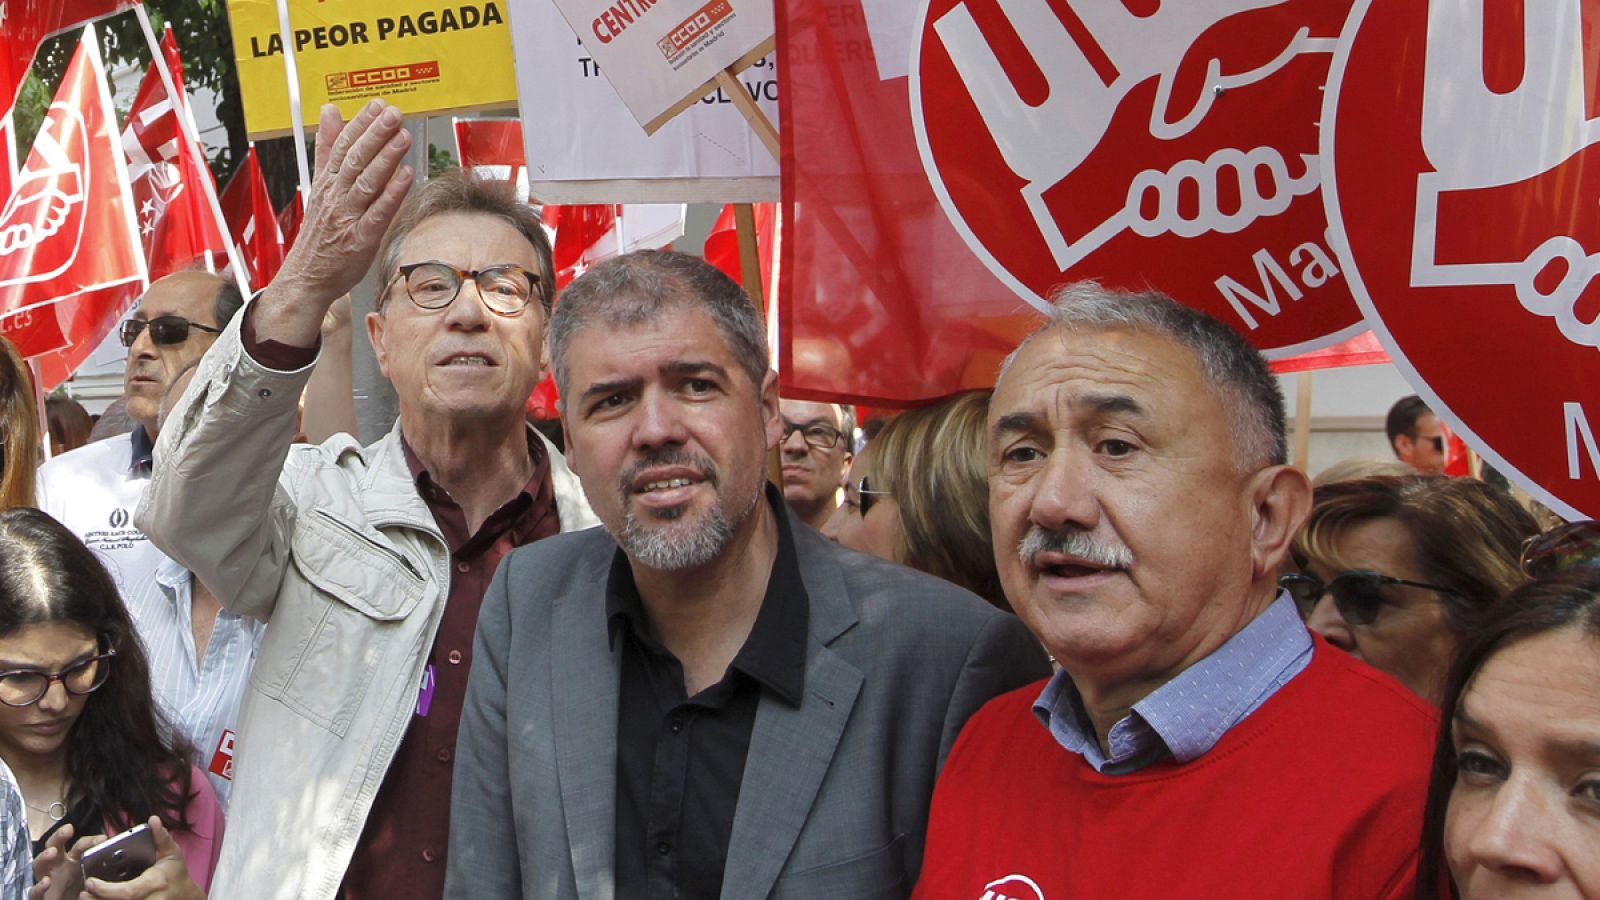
{"points": [[835, 796]]}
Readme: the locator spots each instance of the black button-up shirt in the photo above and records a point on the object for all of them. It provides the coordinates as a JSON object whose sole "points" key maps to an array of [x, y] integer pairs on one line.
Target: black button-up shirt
{"points": [[680, 759]]}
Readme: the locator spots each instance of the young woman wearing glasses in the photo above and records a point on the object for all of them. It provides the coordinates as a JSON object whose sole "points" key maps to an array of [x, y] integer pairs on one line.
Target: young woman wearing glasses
{"points": [[78, 724], [1396, 570]]}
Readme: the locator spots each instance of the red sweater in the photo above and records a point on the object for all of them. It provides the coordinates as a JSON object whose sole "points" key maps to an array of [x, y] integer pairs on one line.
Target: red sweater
{"points": [[1318, 793]]}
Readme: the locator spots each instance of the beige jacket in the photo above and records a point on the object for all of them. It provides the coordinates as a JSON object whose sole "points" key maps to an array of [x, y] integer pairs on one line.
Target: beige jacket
{"points": [[341, 556]]}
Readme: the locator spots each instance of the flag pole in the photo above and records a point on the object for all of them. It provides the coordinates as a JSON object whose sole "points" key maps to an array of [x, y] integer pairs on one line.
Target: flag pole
{"points": [[197, 154], [291, 73], [759, 123]]}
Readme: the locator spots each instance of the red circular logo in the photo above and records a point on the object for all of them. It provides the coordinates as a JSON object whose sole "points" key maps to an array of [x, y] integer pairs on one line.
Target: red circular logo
{"points": [[1463, 181], [1141, 143]]}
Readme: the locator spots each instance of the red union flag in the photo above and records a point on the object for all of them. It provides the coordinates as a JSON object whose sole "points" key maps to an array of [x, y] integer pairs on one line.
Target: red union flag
{"points": [[248, 208], [1164, 144], [1464, 142], [68, 261], [169, 187]]}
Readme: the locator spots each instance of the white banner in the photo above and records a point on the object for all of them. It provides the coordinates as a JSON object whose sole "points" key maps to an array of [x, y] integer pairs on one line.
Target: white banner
{"points": [[584, 146]]}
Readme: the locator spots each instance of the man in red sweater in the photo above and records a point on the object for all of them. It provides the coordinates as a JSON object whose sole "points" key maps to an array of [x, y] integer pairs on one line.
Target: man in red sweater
{"points": [[1198, 741]]}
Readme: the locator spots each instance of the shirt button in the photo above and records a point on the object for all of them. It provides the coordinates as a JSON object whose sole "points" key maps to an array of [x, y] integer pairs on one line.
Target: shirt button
{"points": [[663, 848], [428, 855], [264, 393], [454, 657], [444, 755], [463, 568], [676, 725]]}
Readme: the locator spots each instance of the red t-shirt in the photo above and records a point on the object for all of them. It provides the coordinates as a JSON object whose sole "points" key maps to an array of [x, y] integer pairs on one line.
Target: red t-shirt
{"points": [[1318, 793]]}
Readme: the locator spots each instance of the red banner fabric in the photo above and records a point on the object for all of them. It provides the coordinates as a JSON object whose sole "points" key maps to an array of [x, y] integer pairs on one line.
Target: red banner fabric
{"points": [[1361, 350], [247, 206], [69, 264], [175, 220], [881, 302]]}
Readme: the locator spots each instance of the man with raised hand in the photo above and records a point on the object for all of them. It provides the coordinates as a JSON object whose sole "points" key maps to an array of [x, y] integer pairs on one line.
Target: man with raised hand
{"points": [[1198, 741], [368, 563], [703, 699]]}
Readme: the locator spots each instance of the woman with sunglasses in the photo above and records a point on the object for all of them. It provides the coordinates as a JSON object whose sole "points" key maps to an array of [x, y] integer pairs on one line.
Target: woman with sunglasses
{"points": [[78, 724], [919, 495], [1513, 805], [1396, 570], [19, 429]]}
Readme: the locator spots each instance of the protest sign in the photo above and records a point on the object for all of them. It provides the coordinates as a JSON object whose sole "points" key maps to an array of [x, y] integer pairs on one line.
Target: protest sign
{"points": [[1172, 145], [662, 56], [424, 56], [1462, 185], [587, 147]]}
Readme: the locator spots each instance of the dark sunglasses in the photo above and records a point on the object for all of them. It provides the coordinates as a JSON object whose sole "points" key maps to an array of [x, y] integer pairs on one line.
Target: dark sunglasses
{"points": [[864, 500], [1570, 546], [1356, 593], [164, 330], [1437, 441]]}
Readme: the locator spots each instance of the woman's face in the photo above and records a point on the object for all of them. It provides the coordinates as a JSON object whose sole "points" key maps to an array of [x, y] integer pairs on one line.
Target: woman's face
{"points": [[1410, 638], [39, 730], [877, 532], [1524, 815]]}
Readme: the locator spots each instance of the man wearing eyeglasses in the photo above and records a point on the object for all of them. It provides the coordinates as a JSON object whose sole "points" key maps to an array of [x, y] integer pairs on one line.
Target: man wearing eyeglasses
{"points": [[1417, 436], [368, 563], [94, 489], [816, 455], [1197, 741]]}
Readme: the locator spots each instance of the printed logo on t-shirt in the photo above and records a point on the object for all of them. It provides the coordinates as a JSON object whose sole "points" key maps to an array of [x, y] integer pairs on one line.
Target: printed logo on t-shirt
{"points": [[119, 518], [222, 759], [1012, 887], [118, 535]]}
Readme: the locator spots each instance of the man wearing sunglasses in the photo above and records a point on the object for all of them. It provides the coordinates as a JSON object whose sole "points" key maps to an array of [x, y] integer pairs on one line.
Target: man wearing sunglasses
{"points": [[94, 489], [369, 563], [1198, 741], [1417, 436], [816, 455]]}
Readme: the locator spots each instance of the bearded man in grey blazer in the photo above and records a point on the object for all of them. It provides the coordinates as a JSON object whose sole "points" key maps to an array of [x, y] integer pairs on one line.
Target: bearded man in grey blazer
{"points": [[706, 698]]}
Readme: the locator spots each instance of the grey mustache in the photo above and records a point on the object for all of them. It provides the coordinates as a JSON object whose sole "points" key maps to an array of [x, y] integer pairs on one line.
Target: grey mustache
{"points": [[1074, 543]]}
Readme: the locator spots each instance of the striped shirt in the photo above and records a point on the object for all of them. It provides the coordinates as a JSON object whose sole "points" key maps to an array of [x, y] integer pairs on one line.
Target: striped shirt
{"points": [[16, 850], [199, 697], [1186, 717]]}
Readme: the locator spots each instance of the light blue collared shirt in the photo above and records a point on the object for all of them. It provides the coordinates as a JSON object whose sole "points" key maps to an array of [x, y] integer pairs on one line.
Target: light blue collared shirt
{"points": [[1188, 715]]}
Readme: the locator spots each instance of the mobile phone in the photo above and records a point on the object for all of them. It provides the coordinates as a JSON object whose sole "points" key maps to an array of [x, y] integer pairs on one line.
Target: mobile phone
{"points": [[121, 858]]}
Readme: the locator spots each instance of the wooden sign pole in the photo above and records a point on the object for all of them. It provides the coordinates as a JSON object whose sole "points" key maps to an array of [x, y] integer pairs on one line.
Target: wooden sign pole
{"points": [[1302, 422]]}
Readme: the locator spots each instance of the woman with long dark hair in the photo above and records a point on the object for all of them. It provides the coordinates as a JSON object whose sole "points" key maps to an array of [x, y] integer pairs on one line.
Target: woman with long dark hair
{"points": [[78, 724], [1514, 802], [19, 429]]}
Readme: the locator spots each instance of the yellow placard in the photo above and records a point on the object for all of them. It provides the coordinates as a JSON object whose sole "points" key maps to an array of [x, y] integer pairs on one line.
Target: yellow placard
{"points": [[422, 56]]}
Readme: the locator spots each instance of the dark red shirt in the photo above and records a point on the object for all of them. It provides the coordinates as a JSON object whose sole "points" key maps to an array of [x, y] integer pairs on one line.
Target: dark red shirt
{"points": [[402, 848]]}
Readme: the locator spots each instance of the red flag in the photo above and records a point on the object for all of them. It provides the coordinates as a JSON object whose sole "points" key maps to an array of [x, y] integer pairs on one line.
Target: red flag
{"points": [[69, 264], [289, 220], [175, 219], [248, 208], [491, 143], [1361, 350], [722, 245]]}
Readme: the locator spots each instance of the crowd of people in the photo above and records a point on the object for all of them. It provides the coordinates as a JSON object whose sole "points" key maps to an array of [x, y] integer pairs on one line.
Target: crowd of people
{"points": [[1085, 635]]}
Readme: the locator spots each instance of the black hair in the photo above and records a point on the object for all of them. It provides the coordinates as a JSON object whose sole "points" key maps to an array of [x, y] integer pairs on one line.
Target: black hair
{"points": [[121, 754], [1403, 416]]}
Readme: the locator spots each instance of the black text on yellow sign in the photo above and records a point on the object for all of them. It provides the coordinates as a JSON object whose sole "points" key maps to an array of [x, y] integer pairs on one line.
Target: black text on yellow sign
{"points": [[384, 28]]}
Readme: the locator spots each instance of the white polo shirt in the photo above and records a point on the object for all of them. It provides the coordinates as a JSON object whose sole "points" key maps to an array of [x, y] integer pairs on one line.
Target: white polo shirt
{"points": [[94, 490]]}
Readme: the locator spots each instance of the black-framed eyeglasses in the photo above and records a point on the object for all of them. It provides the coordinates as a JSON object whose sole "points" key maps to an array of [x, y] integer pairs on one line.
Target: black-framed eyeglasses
{"points": [[26, 687], [816, 435], [164, 330], [1570, 546], [865, 496], [506, 290], [1356, 593], [1437, 441]]}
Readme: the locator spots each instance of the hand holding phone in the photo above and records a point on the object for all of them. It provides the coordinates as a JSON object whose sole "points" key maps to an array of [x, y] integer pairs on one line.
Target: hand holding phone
{"points": [[123, 857]]}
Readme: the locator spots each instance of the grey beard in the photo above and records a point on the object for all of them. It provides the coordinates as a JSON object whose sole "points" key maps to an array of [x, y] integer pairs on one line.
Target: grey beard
{"points": [[673, 547]]}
